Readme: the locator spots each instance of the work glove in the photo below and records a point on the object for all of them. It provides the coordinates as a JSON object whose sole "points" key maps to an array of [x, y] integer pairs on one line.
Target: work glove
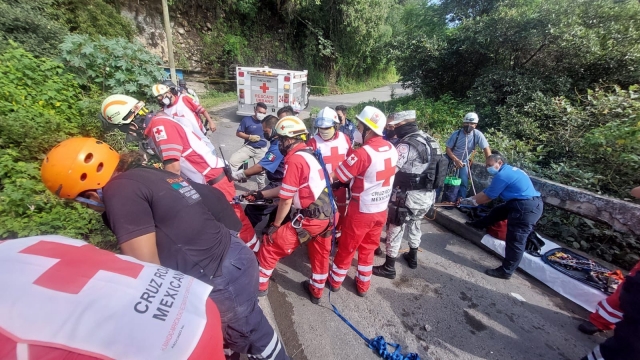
{"points": [[270, 231], [238, 175], [254, 196], [337, 185], [468, 201], [254, 138]]}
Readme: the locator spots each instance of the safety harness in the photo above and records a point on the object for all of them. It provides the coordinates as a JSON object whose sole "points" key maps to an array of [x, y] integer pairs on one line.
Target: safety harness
{"points": [[433, 176]]}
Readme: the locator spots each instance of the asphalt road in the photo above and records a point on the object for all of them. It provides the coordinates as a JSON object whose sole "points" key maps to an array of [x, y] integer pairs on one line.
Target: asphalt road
{"points": [[445, 309]]}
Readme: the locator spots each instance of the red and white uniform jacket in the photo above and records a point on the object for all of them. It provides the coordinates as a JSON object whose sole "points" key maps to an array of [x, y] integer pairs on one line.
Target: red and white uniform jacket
{"points": [[186, 111], [371, 169], [63, 297], [174, 141], [304, 178], [333, 151]]}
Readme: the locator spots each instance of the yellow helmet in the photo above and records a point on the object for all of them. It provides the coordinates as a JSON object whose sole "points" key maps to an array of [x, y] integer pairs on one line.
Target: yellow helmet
{"points": [[291, 126], [121, 109], [373, 118], [159, 89]]}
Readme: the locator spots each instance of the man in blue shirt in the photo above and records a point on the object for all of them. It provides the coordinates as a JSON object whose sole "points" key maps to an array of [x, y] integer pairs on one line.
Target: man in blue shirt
{"points": [[255, 145], [522, 210], [346, 126], [461, 146], [273, 163]]}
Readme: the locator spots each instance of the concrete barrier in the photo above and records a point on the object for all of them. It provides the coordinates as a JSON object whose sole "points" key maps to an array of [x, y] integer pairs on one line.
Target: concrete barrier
{"points": [[621, 215]]}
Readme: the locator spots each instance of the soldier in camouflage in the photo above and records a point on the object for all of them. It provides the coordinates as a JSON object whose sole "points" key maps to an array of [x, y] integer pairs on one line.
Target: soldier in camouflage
{"points": [[420, 169]]}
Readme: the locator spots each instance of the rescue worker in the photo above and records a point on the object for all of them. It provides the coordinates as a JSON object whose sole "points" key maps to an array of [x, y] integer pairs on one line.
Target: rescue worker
{"points": [[183, 107], [461, 147], [334, 146], [255, 145], [273, 164], [608, 312], [159, 218], [346, 126], [370, 170], [184, 90], [420, 169], [522, 210], [285, 111], [76, 284], [182, 152], [304, 190], [624, 344]]}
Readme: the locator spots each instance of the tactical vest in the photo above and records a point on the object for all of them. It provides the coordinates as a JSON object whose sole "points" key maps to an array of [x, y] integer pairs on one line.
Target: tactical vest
{"points": [[429, 152]]}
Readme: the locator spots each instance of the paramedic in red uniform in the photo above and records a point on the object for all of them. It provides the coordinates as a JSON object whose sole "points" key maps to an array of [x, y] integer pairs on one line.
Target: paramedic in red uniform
{"points": [[608, 311], [182, 106], [334, 146], [182, 152], [303, 188], [157, 216], [65, 311], [372, 169]]}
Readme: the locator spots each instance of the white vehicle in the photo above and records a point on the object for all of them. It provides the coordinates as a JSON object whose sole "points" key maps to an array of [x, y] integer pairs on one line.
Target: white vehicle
{"points": [[274, 87]]}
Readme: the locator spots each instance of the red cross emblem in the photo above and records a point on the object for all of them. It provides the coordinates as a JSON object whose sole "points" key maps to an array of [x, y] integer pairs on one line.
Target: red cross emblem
{"points": [[282, 127], [78, 265], [386, 173], [333, 160], [158, 131], [264, 87]]}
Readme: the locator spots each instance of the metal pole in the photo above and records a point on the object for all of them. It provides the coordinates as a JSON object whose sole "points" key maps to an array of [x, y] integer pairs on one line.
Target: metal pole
{"points": [[167, 31]]}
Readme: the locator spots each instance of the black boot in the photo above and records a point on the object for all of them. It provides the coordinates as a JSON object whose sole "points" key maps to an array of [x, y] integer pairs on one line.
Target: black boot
{"points": [[387, 270], [411, 257], [378, 251]]}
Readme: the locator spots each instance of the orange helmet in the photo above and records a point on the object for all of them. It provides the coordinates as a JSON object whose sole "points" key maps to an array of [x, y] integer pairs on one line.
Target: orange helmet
{"points": [[78, 164]]}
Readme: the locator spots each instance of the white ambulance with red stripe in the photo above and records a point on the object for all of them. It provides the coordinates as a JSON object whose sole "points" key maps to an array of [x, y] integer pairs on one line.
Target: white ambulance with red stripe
{"points": [[274, 87]]}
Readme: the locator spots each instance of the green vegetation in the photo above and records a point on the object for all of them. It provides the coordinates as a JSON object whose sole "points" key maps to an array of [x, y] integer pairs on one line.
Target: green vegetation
{"points": [[58, 60], [213, 98]]}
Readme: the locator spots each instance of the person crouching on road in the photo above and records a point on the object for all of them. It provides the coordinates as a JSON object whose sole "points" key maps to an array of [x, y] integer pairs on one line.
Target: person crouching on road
{"points": [[421, 167], [273, 164], [303, 188], [371, 170], [522, 210], [334, 146], [255, 145], [161, 218]]}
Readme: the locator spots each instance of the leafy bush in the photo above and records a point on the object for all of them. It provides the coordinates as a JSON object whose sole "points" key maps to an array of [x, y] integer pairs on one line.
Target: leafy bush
{"points": [[94, 18], [40, 106], [111, 65], [32, 25]]}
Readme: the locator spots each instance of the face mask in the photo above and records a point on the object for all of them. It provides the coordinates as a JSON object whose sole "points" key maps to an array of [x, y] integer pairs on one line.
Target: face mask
{"points": [[267, 135], [261, 116], [391, 134], [283, 148], [468, 129], [327, 134], [406, 129], [492, 171], [166, 101]]}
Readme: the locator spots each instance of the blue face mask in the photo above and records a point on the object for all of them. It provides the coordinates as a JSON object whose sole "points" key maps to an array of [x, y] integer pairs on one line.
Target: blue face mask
{"points": [[91, 202], [492, 171]]}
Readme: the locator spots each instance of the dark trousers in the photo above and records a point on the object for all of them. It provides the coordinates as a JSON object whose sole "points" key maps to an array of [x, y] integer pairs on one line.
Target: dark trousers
{"points": [[245, 329], [257, 213], [521, 216]]}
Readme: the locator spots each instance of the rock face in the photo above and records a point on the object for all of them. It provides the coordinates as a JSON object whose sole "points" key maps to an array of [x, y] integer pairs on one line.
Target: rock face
{"points": [[147, 17]]}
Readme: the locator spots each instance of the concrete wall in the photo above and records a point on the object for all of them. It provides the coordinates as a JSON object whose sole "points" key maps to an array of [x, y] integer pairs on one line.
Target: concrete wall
{"points": [[621, 215]]}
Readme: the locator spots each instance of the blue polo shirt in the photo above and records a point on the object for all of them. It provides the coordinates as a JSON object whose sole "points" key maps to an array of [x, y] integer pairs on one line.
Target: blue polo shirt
{"points": [[272, 162], [511, 183], [251, 126], [348, 129]]}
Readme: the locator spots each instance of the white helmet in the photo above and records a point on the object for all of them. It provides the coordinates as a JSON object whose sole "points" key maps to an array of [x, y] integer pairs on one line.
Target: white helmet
{"points": [[290, 126], [159, 89], [373, 118], [120, 109], [471, 118], [326, 118], [401, 116]]}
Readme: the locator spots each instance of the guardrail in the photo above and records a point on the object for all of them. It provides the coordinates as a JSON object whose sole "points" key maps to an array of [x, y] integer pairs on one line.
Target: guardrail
{"points": [[622, 215]]}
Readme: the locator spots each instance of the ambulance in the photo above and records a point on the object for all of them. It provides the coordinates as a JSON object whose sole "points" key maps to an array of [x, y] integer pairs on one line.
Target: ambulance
{"points": [[274, 87]]}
